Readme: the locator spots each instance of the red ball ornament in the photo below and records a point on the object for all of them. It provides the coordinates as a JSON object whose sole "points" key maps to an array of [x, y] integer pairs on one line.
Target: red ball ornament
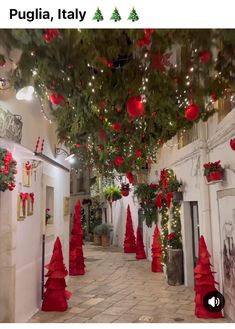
{"points": [[205, 56], [119, 161], [50, 34], [138, 154], [232, 144], [192, 112], [135, 107], [56, 99], [116, 126]]}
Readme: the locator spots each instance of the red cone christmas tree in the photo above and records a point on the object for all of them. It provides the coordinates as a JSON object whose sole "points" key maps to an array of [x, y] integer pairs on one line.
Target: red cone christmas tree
{"points": [[140, 252], [129, 242], [204, 282], [76, 259], [156, 251], [55, 297]]}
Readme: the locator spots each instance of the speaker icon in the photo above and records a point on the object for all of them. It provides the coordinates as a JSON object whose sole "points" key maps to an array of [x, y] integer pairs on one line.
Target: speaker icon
{"points": [[213, 301]]}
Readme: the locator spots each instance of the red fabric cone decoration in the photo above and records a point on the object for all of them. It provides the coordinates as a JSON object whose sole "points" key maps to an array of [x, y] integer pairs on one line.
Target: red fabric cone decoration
{"points": [[76, 259], [204, 282], [156, 251], [55, 298], [232, 144], [129, 242], [140, 252], [192, 112], [135, 107]]}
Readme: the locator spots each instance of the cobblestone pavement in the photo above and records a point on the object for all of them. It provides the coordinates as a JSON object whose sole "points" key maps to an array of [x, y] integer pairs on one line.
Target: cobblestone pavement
{"points": [[118, 288]]}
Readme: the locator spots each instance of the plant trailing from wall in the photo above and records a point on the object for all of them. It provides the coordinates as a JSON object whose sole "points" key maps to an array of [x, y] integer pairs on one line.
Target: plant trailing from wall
{"points": [[92, 87], [112, 193], [213, 171], [146, 194], [7, 170]]}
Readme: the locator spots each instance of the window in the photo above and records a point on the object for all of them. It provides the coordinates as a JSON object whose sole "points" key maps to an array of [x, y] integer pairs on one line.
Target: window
{"points": [[80, 183], [186, 137]]}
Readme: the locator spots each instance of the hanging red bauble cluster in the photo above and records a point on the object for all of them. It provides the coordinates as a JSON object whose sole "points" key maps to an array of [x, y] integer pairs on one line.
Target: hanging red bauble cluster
{"points": [[135, 107], [116, 126], [205, 56], [56, 99], [50, 34], [192, 112], [232, 144], [119, 161], [146, 40]]}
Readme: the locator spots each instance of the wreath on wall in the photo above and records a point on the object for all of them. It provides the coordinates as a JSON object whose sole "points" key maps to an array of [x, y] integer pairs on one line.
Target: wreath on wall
{"points": [[7, 170]]}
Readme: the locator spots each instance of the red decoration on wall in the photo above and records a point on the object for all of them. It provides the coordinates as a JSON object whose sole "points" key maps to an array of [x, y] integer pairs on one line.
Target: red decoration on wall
{"points": [[129, 242], [31, 195], [232, 144], [42, 146], [158, 200], [204, 282], [76, 259], [24, 197], [204, 56], [56, 296], [160, 61], [169, 197], [50, 34], [192, 112], [156, 251], [119, 161], [130, 177], [116, 127], [140, 252], [135, 107], [37, 145], [56, 99]]}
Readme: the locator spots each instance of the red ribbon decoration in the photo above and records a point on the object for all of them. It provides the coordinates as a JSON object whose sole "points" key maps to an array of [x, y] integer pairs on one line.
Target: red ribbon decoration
{"points": [[24, 197], [169, 198], [28, 167], [158, 200], [31, 195]]}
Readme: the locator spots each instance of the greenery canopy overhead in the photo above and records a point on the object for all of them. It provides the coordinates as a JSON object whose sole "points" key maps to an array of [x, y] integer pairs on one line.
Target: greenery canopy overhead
{"points": [[97, 71]]}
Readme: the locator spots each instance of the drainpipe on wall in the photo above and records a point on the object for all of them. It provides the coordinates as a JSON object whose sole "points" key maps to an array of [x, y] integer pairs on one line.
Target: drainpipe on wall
{"points": [[205, 220]]}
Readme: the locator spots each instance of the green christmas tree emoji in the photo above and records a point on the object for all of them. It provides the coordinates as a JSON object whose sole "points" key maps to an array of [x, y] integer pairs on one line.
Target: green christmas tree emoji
{"points": [[115, 15], [133, 15], [98, 15]]}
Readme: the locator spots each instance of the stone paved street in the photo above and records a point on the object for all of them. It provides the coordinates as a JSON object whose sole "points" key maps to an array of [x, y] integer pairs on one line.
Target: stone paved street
{"points": [[118, 288]]}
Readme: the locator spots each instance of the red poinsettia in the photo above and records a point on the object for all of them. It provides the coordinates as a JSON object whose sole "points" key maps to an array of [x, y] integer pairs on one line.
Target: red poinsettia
{"points": [[138, 154], [171, 236], [119, 161], [50, 34]]}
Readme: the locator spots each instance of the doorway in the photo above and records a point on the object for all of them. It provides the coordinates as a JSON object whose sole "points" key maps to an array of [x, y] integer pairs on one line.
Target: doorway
{"points": [[195, 230]]}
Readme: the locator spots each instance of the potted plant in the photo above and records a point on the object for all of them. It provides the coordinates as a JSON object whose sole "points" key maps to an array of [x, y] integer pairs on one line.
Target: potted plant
{"points": [[174, 263], [106, 230], [97, 235], [213, 171], [112, 193], [95, 218]]}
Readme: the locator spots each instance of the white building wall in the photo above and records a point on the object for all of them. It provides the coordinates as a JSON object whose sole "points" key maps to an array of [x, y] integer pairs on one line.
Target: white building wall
{"points": [[26, 236]]}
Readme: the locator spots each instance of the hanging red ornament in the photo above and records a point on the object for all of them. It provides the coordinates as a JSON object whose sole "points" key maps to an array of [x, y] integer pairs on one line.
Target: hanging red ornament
{"points": [[119, 161], [2, 61], [204, 56], [56, 99], [50, 34], [130, 177], [192, 112], [232, 144], [77, 146], [135, 107], [158, 200], [138, 154], [116, 126], [214, 98]]}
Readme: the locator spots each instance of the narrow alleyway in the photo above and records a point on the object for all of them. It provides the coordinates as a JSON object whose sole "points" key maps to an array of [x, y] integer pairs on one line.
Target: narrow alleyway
{"points": [[117, 288]]}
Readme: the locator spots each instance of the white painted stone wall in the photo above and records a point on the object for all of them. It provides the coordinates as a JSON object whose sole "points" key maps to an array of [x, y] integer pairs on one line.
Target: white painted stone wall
{"points": [[22, 260]]}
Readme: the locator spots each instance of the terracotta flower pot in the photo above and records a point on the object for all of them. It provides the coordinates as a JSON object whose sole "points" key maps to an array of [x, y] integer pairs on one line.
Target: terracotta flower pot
{"points": [[97, 240], [214, 176], [105, 240]]}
